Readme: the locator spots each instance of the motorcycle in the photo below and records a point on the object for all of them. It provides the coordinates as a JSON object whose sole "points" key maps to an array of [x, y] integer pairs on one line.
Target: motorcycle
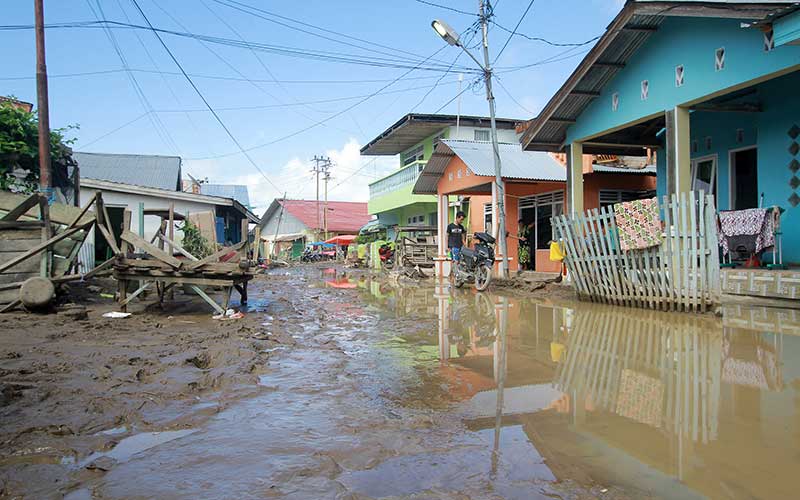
{"points": [[310, 255], [386, 253], [475, 265]]}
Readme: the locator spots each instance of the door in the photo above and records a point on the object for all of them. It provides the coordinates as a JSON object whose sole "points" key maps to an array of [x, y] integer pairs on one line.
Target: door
{"points": [[744, 179], [704, 174]]}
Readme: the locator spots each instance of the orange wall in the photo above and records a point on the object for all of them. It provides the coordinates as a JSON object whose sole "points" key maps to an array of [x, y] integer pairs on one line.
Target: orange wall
{"points": [[592, 184]]}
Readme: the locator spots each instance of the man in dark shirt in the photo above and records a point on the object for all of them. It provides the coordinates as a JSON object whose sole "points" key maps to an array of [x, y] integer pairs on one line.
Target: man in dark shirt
{"points": [[455, 236]]}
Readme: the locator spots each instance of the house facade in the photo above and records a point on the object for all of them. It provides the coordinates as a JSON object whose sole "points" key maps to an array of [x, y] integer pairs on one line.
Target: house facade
{"points": [[147, 186], [287, 225], [710, 85], [535, 191], [414, 138]]}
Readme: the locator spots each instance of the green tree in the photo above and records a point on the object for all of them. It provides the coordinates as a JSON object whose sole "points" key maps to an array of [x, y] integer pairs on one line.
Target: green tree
{"points": [[19, 150]]}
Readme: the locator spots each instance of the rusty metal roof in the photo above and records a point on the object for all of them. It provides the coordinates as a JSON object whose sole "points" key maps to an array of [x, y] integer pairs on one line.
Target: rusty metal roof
{"points": [[635, 23]]}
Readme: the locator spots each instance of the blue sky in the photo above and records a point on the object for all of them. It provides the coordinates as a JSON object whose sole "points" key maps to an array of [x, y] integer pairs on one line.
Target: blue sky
{"points": [[102, 103]]}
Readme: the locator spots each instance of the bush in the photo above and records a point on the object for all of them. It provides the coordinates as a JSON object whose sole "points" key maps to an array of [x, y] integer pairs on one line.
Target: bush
{"points": [[194, 242]]}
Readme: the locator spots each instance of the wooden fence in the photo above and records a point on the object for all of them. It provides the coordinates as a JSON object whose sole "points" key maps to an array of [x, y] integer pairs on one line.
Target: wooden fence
{"points": [[680, 274]]}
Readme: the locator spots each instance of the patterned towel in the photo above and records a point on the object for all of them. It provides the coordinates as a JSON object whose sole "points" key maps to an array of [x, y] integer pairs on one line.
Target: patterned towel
{"points": [[639, 224]]}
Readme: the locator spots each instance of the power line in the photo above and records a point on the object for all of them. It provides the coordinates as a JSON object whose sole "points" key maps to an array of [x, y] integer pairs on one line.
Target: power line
{"points": [[468, 87], [321, 55], [446, 7], [325, 30], [335, 115], [514, 30], [545, 40], [158, 126], [215, 77], [202, 97], [114, 130], [513, 98]]}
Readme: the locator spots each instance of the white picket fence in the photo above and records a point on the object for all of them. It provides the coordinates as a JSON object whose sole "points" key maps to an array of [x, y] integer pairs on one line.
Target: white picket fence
{"points": [[680, 274]]}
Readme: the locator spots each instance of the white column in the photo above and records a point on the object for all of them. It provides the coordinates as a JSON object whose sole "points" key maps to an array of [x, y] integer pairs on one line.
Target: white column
{"points": [[441, 217], [575, 178], [494, 209]]}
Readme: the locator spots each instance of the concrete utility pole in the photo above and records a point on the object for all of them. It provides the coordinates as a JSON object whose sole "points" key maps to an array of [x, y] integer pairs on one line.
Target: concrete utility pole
{"points": [[326, 177], [501, 192], [321, 165], [450, 36], [45, 179]]}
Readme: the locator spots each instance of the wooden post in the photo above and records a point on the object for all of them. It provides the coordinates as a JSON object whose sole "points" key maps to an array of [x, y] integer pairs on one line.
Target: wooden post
{"points": [[47, 233], [246, 237], [257, 242], [126, 226], [122, 287], [171, 221], [43, 106]]}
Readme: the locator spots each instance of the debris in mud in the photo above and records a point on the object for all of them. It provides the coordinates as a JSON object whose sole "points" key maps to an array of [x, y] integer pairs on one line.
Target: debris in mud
{"points": [[103, 464]]}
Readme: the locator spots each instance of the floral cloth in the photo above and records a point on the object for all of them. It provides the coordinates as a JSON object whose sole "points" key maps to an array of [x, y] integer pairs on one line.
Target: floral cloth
{"points": [[640, 398], [753, 229], [639, 224]]}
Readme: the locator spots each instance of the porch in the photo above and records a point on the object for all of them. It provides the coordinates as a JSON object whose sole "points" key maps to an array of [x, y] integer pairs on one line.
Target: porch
{"points": [[713, 92]]}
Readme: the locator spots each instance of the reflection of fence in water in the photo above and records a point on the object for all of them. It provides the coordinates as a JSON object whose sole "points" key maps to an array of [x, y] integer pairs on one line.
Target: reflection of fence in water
{"points": [[655, 368]]}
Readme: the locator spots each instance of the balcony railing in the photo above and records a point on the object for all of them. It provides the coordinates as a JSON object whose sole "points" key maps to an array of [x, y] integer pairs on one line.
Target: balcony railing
{"points": [[403, 177]]}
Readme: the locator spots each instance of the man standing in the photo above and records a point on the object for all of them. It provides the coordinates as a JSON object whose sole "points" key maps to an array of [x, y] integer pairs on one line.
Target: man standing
{"points": [[455, 236]]}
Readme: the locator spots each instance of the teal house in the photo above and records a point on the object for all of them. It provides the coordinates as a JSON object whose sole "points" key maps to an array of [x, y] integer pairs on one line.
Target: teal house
{"points": [[413, 138], [712, 87]]}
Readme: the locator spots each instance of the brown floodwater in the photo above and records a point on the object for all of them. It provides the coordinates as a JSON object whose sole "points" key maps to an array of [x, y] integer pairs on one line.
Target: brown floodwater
{"points": [[430, 392]]}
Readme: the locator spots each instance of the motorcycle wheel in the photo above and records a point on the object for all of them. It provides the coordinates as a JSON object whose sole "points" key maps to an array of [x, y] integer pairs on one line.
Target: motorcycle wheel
{"points": [[388, 264], [483, 277]]}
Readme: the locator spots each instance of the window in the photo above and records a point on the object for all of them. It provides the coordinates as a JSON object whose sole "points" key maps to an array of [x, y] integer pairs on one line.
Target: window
{"points": [[539, 209], [704, 174], [612, 196], [487, 218], [414, 154], [482, 135]]}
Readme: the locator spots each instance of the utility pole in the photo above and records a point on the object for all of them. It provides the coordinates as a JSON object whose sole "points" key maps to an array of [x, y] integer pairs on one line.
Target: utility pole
{"points": [[45, 180], [326, 177], [501, 210], [321, 165], [450, 36]]}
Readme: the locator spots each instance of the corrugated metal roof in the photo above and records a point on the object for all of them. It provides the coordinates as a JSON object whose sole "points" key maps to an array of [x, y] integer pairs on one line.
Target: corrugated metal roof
{"points": [[234, 191], [162, 172], [479, 157], [414, 127], [635, 23], [343, 216]]}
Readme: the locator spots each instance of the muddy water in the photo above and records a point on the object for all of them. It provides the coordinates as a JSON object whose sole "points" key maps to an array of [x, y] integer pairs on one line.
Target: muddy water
{"points": [[428, 392]]}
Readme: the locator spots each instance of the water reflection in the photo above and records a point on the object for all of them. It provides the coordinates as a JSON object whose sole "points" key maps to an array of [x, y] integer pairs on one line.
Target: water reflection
{"points": [[674, 404]]}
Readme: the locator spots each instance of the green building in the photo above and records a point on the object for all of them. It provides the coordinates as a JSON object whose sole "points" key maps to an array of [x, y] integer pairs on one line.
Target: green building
{"points": [[414, 138]]}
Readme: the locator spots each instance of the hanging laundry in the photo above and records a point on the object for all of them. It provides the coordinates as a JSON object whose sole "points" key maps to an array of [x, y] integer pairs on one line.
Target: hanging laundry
{"points": [[639, 224], [749, 230]]}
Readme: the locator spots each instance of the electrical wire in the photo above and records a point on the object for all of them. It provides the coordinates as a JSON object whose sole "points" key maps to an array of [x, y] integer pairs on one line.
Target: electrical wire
{"points": [[514, 31], [329, 118], [468, 87], [114, 130], [499, 82], [545, 40], [446, 7], [202, 97]]}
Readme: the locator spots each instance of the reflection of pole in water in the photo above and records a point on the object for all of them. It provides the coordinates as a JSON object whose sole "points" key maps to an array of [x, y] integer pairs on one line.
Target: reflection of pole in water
{"points": [[443, 298], [501, 351]]}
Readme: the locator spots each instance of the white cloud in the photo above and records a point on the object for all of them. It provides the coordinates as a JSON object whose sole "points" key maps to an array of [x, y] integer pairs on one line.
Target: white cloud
{"points": [[351, 175]]}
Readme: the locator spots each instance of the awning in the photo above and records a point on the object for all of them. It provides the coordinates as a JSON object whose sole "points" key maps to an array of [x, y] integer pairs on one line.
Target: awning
{"points": [[372, 226], [342, 239]]}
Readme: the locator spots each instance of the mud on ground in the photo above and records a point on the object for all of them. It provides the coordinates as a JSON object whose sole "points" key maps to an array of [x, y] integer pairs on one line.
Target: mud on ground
{"points": [[73, 382]]}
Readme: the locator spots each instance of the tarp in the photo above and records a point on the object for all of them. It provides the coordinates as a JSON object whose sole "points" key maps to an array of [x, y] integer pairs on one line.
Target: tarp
{"points": [[342, 239], [321, 244]]}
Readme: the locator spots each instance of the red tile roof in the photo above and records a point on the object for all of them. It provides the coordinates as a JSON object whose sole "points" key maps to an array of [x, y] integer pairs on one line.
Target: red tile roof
{"points": [[343, 216]]}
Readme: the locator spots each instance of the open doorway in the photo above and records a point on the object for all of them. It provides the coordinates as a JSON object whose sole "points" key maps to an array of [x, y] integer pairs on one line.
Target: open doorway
{"points": [[744, 178], [102, 251]]}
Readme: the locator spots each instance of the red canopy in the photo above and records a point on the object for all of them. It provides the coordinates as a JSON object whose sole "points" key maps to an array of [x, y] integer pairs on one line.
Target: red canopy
{"points": [[342, 239]]}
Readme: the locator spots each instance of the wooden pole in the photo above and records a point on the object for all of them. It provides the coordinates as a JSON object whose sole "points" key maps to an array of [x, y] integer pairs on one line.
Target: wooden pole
{"points": [[45, 181]]}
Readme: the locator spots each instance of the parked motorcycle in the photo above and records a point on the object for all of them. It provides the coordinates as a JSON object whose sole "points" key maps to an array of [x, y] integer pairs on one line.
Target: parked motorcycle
{"points": [[475, 265], [386, 253], [310, 255]]}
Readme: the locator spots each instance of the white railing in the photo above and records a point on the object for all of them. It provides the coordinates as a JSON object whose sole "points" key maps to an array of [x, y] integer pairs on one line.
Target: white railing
{"points": [[403, 177]]}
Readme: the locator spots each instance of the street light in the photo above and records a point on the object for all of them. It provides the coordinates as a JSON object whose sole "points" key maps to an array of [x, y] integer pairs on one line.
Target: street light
{"points": [[451, 37]]}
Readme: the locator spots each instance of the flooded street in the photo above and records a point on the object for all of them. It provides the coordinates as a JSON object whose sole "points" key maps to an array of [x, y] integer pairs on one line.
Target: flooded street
{"points": [[428, 392]]}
